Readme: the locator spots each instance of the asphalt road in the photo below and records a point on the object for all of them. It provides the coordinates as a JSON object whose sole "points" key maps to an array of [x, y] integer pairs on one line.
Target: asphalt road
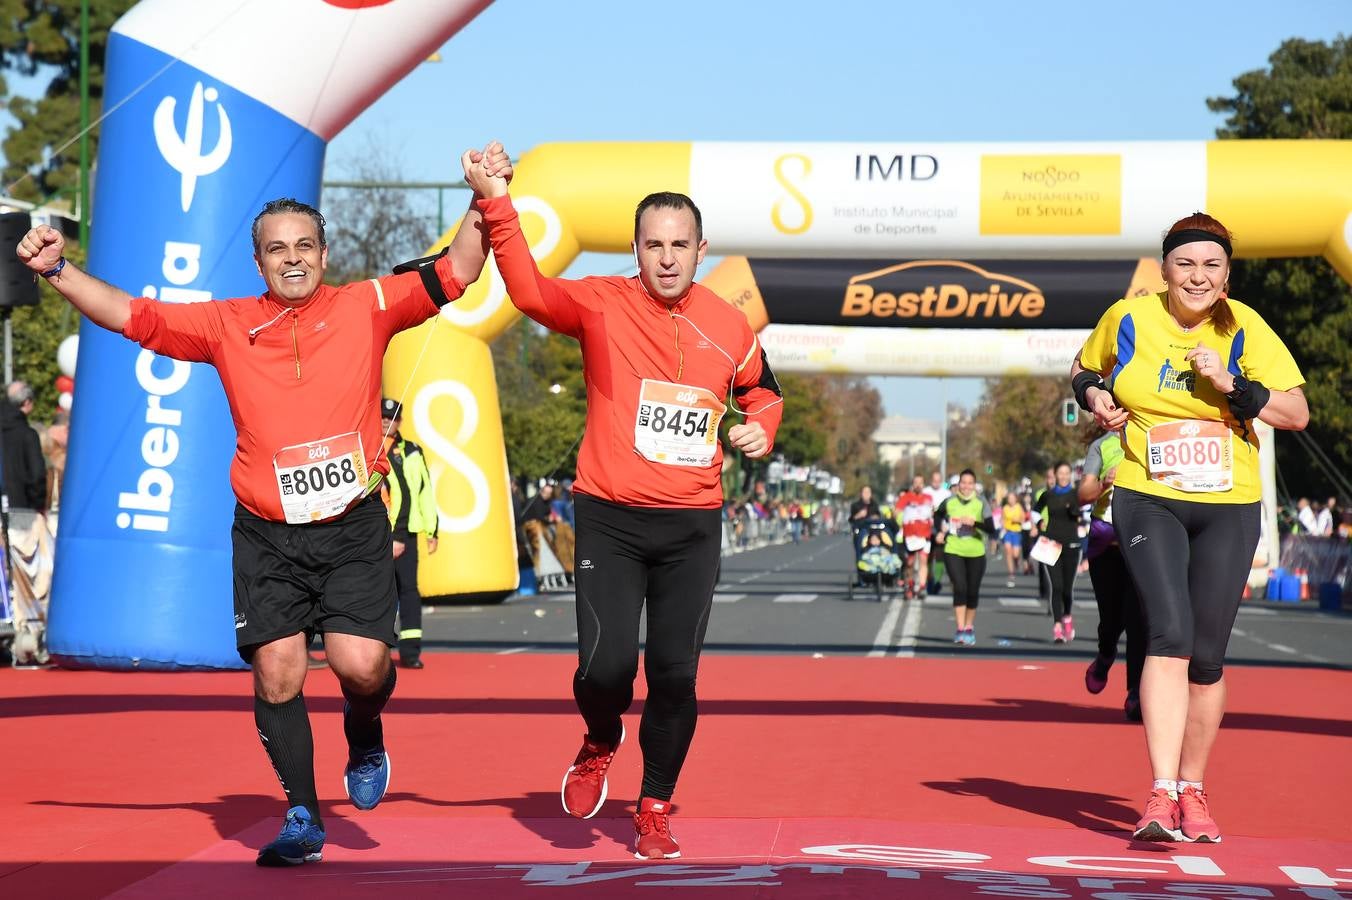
{"points": [[792, 598]]}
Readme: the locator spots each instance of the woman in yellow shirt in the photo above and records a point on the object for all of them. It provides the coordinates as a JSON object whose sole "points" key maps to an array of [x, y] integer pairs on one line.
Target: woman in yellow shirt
{"points": [[1013, 515], [1187, 370]]}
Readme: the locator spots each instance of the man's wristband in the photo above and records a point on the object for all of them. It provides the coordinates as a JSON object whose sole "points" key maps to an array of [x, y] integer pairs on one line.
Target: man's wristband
{"points": [[56, 269], [1081, 384], [1247, 398]]}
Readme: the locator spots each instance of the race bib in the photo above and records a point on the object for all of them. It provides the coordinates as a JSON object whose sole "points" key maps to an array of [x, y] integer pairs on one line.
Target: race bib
{"points": [[677, 425], [1046, 551], [320, 479], [1193, 455]]}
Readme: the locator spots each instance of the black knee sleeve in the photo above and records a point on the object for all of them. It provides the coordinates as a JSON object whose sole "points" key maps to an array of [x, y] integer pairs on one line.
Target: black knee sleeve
{"points": [[1203, 672]]}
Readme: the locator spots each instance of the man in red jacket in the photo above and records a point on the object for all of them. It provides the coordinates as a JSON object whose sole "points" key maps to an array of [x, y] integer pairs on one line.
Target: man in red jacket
{"points": [[660, 357], [301, 368]]}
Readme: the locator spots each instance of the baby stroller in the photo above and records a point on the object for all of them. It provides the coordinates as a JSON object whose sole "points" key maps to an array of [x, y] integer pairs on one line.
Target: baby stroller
{"points": [[878, 559]]}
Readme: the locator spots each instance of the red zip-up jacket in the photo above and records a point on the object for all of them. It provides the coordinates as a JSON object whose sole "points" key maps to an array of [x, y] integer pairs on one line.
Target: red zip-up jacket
{"points": [[628, 336], [293, 375]]}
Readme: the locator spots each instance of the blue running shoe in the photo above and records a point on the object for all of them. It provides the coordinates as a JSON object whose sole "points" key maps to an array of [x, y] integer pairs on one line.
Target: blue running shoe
{"points": [[300, 841], [367, 778]]}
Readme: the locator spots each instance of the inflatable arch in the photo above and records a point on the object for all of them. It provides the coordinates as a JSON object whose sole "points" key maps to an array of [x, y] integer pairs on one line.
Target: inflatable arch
{"points": [[841, 206], [209, 114], [203, 129]]}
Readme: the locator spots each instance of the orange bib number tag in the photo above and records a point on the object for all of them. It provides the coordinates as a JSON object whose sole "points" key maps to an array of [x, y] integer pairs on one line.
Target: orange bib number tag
{"points": [[320, 479], [677, 425], [1193, 456]]}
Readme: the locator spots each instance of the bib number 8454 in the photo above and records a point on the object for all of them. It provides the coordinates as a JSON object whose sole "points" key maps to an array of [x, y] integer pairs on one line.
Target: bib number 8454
{"points": [[687, 422]]}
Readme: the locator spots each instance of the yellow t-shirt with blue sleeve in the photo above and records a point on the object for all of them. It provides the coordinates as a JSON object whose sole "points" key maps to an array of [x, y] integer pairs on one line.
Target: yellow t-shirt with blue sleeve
{"points": [[1138, 348]]}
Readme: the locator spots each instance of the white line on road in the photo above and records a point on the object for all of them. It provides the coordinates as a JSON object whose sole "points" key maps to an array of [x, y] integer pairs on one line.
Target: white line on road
{"points": [[512, 650], [793, 562], [795, 598], [931, 600], [882, 641], [728, 598], [1279, 648], [1021, 602], [910, 629]]}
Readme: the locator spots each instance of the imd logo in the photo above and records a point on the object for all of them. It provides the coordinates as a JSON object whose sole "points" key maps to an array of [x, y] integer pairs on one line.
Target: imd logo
{"points": [[793, 214]]}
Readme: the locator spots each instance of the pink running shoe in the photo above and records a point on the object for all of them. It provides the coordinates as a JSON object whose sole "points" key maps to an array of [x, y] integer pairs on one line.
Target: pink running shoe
{"points": [[1160, 822], [1068, 628], [584, 784], [1058, 634], [1196, 822]]}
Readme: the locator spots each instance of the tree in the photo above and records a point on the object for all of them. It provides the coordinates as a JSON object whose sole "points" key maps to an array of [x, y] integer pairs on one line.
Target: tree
{"points": [[38, 330], [801, 438], [40, 37], [1305, 93], [853, 410], [371, 229], [543, 400], [1016, 428]]}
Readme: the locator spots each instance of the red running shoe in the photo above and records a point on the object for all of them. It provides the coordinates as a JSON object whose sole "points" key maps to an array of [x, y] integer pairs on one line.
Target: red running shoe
{"points": [[1160, 822], [584, 784], [652, 826], [1197, 824]]}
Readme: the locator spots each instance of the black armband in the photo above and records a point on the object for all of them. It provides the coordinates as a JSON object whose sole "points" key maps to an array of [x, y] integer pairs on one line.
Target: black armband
{"points": [[1081, 384], [1248, 398], [426, 268]]}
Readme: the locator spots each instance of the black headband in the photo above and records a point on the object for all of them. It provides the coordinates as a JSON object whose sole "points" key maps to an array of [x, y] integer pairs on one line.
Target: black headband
{"points": [[1192, 235]]}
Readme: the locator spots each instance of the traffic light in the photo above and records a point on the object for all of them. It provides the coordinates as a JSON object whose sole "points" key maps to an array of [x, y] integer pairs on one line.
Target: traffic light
{"points": [[1070, 412]]}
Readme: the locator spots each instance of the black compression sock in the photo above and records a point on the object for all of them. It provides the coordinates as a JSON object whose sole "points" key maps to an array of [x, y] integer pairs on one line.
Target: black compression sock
{"points": [[361, 724], [285, 731]]}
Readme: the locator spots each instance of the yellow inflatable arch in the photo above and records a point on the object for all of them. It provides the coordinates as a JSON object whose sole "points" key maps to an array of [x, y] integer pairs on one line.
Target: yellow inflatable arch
{"points": [[863, 201]]}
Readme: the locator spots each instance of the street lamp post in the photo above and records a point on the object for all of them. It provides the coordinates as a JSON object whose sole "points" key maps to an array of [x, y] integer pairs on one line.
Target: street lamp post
{"points": [[84, 125], [943, 434]]}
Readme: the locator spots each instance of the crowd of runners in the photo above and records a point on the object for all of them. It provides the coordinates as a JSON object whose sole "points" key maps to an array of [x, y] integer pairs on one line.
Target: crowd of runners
{"points": [[1174, 380]]}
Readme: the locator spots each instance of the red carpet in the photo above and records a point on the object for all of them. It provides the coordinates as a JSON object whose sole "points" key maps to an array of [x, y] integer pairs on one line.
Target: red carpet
{"points": [[808, 778]]}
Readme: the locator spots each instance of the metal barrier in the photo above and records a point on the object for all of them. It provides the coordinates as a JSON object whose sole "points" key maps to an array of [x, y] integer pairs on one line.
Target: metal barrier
{"points": [[1324, 560], [748, 532], [23, 600]]}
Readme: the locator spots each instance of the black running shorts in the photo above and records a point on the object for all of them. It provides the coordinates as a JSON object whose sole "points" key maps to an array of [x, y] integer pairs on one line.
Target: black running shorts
{"points": [[330, 577]]}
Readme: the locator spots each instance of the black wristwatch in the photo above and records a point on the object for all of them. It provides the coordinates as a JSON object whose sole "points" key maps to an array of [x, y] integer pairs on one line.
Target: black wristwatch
{"points": [[1240, 386]]}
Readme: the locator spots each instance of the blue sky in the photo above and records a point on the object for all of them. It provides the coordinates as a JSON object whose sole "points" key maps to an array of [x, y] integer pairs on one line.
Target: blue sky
{"points": [[528, 72]]}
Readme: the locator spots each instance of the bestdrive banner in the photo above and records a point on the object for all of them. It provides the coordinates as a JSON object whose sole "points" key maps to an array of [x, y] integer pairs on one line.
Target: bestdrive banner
{"points": [[940, 293]]}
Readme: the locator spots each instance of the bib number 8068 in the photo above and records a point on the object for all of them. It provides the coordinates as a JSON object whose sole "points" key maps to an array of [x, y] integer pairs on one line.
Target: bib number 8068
{"points": [[316, 478]]}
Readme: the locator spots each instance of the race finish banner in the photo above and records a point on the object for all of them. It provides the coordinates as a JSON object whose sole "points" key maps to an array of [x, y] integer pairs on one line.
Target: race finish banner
{"points": [[934, 293]]}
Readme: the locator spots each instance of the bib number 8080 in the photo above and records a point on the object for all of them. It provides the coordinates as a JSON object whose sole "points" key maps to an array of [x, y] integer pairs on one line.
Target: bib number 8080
{"points": [[316, 478], [1187, 453]]}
